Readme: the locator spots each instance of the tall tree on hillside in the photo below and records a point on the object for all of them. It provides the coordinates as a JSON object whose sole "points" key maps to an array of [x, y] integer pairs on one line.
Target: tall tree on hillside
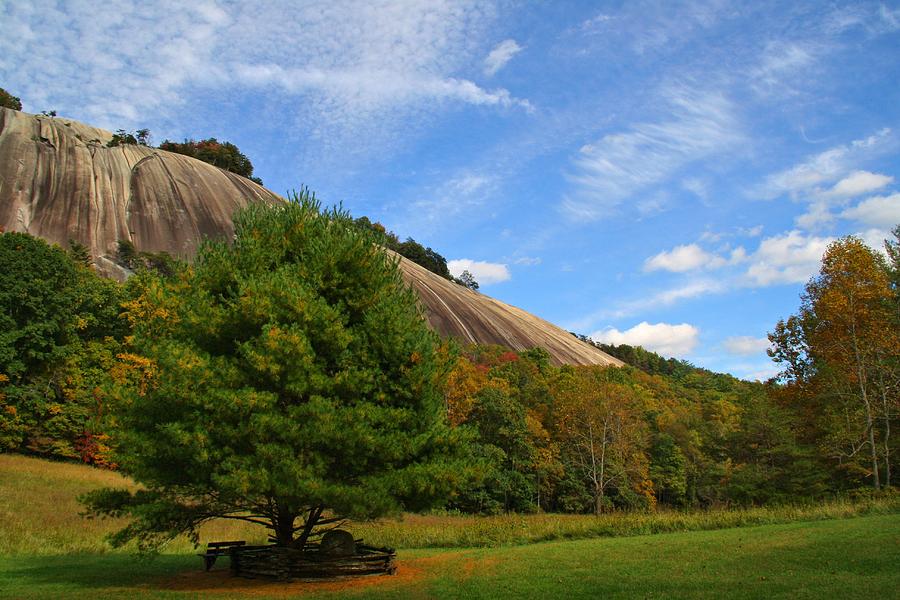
{"points": [[288, 379], [845, 342]]}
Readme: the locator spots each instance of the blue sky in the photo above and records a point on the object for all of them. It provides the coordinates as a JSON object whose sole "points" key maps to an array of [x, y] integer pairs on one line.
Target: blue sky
{"points": [[656, 173]]}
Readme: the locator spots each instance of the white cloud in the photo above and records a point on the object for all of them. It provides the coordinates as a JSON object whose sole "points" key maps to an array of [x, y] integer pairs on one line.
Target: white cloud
{"points": [[877, 211], [874, 238], [358, 69], [791, 257], [620, 164], [817, 216], [760, 373], [691, 257], [745, 345], [683, 258], [859, 183], [666, 339], [824, 168], [500, 55], [485, 273], [819, 213]]}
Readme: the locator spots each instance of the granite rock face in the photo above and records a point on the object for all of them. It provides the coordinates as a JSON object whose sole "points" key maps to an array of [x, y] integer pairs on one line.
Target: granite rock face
{"points": [[470, 317], [60, 182]]}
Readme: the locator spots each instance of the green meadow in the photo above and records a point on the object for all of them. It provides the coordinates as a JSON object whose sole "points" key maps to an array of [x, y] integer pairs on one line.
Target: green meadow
{"points": [[838, 549]]}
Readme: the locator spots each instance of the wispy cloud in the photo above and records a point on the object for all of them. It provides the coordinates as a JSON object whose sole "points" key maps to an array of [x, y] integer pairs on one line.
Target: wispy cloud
{"points": [[647, 29], [697, 186], [500, 55], [619, 165], [781, 65], [823, 168], [694, 288], [352, 66], [464, 192], [528, 261]]}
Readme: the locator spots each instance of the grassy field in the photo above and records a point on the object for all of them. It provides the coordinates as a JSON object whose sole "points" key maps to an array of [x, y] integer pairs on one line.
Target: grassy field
{"points": [[48, 551]]}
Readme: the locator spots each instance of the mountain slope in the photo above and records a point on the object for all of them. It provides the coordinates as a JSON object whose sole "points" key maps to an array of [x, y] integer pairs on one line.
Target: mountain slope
{"points": [[59, 181]]}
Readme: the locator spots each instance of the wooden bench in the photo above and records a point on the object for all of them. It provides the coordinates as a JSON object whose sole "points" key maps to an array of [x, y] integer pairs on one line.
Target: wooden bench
{"points": [[216, 549]]}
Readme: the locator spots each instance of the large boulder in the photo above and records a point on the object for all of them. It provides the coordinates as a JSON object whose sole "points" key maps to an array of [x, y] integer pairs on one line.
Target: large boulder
{"points": [[337, 543]]}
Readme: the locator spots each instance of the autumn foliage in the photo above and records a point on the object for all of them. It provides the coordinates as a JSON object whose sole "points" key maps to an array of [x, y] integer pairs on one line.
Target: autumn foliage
{"points": [[841, 357], [540, 437]]}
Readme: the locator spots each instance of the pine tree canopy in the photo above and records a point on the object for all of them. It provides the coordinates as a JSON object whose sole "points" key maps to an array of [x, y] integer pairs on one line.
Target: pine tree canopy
{"points": [[288, 378]]}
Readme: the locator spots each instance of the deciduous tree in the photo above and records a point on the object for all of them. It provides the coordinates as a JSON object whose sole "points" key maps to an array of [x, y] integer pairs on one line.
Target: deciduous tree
{"points": [[603, 431], [844, 343]]}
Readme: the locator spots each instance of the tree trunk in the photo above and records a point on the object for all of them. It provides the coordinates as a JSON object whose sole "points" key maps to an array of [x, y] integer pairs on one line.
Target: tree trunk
{"points": [[284, 526], [598, 502], [314, 514], [870, 422], [887, 437], [599, 497]]}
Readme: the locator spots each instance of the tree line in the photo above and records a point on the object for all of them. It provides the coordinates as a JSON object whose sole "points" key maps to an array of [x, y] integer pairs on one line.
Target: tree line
{"points": [[539, 437]]}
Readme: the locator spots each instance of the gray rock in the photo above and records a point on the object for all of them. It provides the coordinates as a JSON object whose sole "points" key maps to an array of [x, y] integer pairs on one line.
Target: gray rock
{"points": [[60, 182], [338, 542]]}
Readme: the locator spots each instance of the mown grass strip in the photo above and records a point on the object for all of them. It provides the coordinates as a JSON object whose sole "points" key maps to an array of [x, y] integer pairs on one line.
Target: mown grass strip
{"points": [[850, 558]]}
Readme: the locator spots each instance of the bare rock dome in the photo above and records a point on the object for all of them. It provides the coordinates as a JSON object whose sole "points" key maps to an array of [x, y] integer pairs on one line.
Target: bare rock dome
{"points": [[59, 181]]}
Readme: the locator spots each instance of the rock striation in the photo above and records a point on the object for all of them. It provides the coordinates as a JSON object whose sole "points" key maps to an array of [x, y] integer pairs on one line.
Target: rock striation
{"points": [[59, 181], [470, 317]]}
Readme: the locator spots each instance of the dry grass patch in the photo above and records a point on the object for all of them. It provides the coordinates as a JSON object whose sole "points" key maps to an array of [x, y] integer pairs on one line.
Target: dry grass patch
{"points": [[39, 515]]}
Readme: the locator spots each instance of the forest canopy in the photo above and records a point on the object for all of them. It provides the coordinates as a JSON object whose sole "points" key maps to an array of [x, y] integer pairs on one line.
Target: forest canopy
{"points": [[660, 432]]}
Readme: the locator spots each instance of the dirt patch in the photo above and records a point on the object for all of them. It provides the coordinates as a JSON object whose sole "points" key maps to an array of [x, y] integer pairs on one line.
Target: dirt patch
{"points": [[410, 572]]}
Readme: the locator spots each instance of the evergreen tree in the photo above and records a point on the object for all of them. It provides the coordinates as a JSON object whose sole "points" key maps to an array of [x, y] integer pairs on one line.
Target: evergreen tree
{"points": [[289, 379]]}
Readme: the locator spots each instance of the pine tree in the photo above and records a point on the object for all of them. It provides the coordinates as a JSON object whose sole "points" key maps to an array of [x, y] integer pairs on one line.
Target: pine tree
{"points": [[288, 379]]}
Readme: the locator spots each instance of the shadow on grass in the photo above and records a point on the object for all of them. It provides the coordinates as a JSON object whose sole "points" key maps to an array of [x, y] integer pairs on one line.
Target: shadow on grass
{"points": [[85, 575]]}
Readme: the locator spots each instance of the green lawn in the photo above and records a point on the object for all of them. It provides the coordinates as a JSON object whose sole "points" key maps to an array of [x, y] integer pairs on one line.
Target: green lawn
{"points": [[851, 558], [835, 550]]}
